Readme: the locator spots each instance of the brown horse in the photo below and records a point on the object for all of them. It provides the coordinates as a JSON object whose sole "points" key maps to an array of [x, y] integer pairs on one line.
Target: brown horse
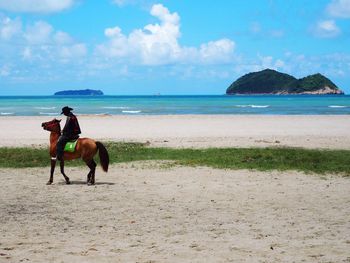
{"points": [[85, 148]]}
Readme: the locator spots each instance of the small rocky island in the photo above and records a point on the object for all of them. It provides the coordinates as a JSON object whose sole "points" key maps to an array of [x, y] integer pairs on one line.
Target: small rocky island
{"points": [[85, 92], [269, 81]]}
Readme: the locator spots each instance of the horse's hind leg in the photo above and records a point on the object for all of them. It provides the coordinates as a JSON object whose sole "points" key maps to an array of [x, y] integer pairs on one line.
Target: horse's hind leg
{"points": [[91, 174], [88, 177], [62, 172]]}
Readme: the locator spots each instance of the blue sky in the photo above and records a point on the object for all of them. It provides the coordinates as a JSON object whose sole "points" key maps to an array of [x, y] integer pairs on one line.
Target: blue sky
{"points": [[137, 47]]}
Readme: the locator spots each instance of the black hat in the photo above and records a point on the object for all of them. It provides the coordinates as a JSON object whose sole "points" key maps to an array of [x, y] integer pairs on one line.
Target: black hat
{"points": [[66, 109]]}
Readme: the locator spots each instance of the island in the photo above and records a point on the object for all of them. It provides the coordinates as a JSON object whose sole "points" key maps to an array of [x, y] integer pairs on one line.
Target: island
{"points": [[270, 81], [85, 92]]}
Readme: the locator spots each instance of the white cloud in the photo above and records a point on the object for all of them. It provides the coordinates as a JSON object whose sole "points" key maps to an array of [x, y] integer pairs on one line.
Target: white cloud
{"points": [[72, 51], [339, 8], [9, 27], [27, 53], [39, 33], [326, 29], [277, 33], [113, 32], [217, 51], [269, 62], [164, 15], [62, 38], [5, 71], [38, 42], [157, 44], [279, 63], [257, 30], [120, 2], [35, 6]]}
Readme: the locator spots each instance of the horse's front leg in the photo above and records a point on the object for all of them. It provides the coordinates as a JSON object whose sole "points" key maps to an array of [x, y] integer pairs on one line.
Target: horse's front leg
{"points": [[53, 165], [62, 172]]}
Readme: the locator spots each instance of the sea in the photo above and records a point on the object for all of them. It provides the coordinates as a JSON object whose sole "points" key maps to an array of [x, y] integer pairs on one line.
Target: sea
{"points": [[176, 105]]}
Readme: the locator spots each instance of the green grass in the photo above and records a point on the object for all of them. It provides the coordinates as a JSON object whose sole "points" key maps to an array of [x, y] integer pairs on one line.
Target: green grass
{"points": [[318, 161]]}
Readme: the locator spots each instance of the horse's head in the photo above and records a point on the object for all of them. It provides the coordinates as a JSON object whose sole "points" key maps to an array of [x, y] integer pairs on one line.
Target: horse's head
{"points": [[53, 126]]}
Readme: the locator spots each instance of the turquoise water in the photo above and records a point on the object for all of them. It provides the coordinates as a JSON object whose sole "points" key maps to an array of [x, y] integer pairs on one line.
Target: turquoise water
{"points": [[161, 105]]}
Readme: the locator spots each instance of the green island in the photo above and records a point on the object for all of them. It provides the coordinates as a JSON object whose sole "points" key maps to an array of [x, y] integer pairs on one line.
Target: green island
{"points": [[84, 92], [263, 159], [269, 81]]}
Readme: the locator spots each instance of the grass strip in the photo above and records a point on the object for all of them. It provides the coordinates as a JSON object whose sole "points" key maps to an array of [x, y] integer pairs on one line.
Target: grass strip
{"points": [[264, 159]]}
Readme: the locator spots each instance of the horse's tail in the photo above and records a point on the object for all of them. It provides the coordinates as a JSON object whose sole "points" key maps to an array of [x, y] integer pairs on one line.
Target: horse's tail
{"points": [[104, 157]]}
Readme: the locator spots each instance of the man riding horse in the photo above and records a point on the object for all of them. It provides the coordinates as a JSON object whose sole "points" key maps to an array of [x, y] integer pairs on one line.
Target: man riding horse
{"points": [[85, 148], [70, 131]]}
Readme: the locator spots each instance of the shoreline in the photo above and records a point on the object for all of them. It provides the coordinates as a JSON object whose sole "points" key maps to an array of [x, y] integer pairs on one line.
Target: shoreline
{"points": [[192, 131]]}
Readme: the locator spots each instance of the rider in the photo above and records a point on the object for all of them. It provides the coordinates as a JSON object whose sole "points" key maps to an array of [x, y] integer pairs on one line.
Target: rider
{"points": [[70, 131]]}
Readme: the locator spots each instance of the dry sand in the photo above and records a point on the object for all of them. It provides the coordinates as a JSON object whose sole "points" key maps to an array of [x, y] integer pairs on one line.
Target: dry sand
{"points": [[150, 212], [142, 212], [194, 130]]}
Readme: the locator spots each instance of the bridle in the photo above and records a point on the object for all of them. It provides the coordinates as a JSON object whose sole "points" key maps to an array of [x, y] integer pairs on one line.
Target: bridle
{"points": [[51, 125]]}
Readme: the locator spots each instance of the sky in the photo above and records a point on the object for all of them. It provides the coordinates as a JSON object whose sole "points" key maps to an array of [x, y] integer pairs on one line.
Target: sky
{"points": [[146, 47]]}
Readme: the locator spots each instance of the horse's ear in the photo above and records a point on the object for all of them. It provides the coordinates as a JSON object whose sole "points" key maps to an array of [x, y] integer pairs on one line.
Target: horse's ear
{"points": [[59, 120]]}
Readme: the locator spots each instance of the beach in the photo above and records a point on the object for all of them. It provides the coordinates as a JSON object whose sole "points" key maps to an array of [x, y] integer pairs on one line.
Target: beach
{"points": [[146, 212], [198, 131], [151, 211]]}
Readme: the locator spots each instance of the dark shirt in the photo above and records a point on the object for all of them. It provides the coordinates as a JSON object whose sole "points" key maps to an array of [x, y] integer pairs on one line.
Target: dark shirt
{"points": [[72, 128]]}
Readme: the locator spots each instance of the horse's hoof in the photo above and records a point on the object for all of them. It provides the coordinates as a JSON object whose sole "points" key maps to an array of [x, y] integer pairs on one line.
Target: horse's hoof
{"points": [[48, 183], [67, 182], [90, 183]]}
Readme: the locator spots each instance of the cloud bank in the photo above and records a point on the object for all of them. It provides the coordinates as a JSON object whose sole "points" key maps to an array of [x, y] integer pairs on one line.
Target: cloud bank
{"points": [[35, 6], [339, 8], [158, 44]]}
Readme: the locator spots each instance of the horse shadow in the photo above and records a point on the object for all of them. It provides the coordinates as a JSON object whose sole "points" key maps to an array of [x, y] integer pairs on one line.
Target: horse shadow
{"points": [[84, 183]]}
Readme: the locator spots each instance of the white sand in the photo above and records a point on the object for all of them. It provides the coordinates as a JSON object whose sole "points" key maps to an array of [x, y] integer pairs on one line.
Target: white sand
{"points": [[145, 213], [194, 130]]}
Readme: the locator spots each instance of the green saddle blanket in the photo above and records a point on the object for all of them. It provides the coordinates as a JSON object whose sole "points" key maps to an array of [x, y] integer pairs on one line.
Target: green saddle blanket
{"points": [[70, 146]]}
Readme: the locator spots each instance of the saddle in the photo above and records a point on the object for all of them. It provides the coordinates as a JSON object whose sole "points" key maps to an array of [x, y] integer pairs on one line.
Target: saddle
{"points": [[70, 146]]}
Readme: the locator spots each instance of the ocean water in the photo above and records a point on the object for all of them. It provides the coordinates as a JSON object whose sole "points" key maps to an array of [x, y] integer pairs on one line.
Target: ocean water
{"points": [[163, 105]]}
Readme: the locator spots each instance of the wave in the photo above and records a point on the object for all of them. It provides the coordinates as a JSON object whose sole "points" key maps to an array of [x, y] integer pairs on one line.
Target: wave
{"points": [[45, 108], [115, 108], [252, 106], [131, 111], [7, 113], [49, 113], [337, 106], [102, 114], [260, 106]]}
